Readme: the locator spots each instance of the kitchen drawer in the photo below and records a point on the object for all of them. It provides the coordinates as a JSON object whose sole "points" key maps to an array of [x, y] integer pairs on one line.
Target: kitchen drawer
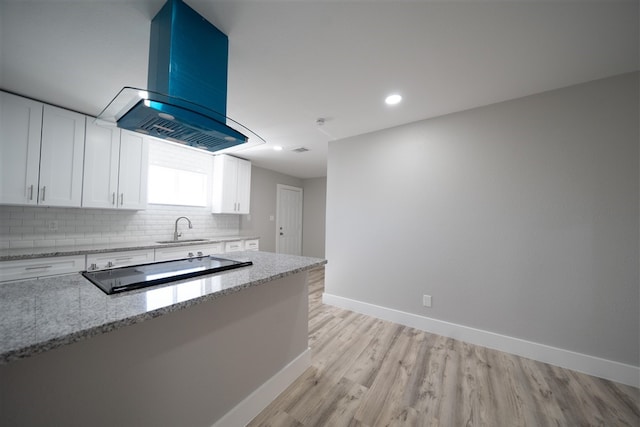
{"points": [[119, 259], [179, 252], [40, 267], [251, 245], [235, 246]]}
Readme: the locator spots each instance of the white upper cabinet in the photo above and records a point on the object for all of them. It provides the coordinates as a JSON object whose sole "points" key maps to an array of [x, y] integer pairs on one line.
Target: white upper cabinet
{"points": [[101, 159], [115, 172], [61, 157], [42, 153], [20, 134], [243, 191], [231, 185], [134, 170]]}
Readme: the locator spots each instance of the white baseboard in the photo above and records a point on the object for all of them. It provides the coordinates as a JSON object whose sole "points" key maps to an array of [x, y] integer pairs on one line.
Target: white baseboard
{"points": [[603, 368], [253, 404]]}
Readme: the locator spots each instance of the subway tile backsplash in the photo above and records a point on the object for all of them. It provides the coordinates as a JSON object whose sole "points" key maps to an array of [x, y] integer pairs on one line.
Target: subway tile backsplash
{"points": [[33, 227]]}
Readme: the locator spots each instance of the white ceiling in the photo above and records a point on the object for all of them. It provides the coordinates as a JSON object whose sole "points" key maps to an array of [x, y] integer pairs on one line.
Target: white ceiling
{"points": [[292, 62]]}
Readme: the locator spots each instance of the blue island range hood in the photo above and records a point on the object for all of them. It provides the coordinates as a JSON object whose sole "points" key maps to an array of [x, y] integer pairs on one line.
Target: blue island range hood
{"points": [[186, 98]]}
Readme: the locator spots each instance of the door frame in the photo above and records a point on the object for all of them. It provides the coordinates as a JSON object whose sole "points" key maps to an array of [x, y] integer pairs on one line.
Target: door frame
{"points": [[279, 188]]}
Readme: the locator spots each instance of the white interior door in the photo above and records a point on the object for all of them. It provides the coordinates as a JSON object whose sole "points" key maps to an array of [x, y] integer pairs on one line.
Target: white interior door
{"points": [[289, 220]]}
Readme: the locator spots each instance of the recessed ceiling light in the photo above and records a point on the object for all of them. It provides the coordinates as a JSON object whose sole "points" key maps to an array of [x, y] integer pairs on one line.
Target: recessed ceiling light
{"points": [[393, 99], [277, 147]]}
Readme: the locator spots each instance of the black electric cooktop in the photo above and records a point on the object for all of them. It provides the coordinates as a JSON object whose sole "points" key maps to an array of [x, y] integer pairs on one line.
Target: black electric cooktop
{"points": [[124, 279]]}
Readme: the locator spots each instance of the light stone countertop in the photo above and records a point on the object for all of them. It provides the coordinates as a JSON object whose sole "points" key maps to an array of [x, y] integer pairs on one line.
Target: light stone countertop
{"points": [[28, 253], [41, 314]]}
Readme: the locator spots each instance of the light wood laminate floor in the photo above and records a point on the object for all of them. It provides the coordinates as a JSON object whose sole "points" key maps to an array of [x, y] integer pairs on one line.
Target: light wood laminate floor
{"points": [[369, 372]]}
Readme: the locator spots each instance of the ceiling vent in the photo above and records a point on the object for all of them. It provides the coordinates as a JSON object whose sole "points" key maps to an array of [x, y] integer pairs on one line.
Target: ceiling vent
{"points": [[300, 150]]}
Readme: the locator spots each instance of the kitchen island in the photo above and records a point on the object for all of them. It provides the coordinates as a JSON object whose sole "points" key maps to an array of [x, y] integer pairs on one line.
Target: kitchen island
{"points": [[206, 351]]}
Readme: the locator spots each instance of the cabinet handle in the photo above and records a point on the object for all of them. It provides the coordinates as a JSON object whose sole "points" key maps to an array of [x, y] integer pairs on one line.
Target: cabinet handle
{"points": [[110, 264], [190, 255], [121, 199], [93, 266], [238, 206], [40, 267], [200, 253], [44, 189], [125, 258], [31, 192], [113, 198]]}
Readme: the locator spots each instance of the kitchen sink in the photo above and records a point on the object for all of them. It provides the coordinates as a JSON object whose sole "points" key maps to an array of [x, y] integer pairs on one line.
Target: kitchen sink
{"points": [[182, 241]]}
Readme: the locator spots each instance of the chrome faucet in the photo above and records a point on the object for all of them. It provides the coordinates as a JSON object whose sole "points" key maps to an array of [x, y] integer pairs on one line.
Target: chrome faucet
{"points": [[175, 230]]}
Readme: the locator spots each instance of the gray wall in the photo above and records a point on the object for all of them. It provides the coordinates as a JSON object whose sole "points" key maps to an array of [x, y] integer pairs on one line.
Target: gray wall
{"points": [[314, 213], [263, 205], [519, 218]]}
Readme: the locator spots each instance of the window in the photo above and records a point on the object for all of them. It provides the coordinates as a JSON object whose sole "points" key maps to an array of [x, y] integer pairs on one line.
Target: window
{"points": [[169, 186]]}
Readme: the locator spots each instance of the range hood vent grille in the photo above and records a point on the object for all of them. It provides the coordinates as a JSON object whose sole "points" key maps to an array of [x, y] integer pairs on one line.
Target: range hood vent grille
{"points": [[176, 132], [162, 126]]}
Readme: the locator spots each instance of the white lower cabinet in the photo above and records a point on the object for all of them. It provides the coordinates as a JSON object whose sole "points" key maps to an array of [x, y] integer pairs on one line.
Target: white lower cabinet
{"points": [[180, 252], [252, 245], [235, 246], [119, 259], [40, 267]]}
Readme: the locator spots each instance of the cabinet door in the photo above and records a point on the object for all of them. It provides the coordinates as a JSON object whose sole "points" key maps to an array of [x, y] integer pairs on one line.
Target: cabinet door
{"points": [[40, 267], [134, 167], [252, 245], [243, 187], [225, 184], [20, 131], [231, 185], [61, 157], [236, 246], [101, 159]]}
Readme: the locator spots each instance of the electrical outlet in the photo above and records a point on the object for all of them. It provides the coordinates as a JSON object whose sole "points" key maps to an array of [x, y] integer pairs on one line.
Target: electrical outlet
{"points": [[53, 225], [426, 300]]}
